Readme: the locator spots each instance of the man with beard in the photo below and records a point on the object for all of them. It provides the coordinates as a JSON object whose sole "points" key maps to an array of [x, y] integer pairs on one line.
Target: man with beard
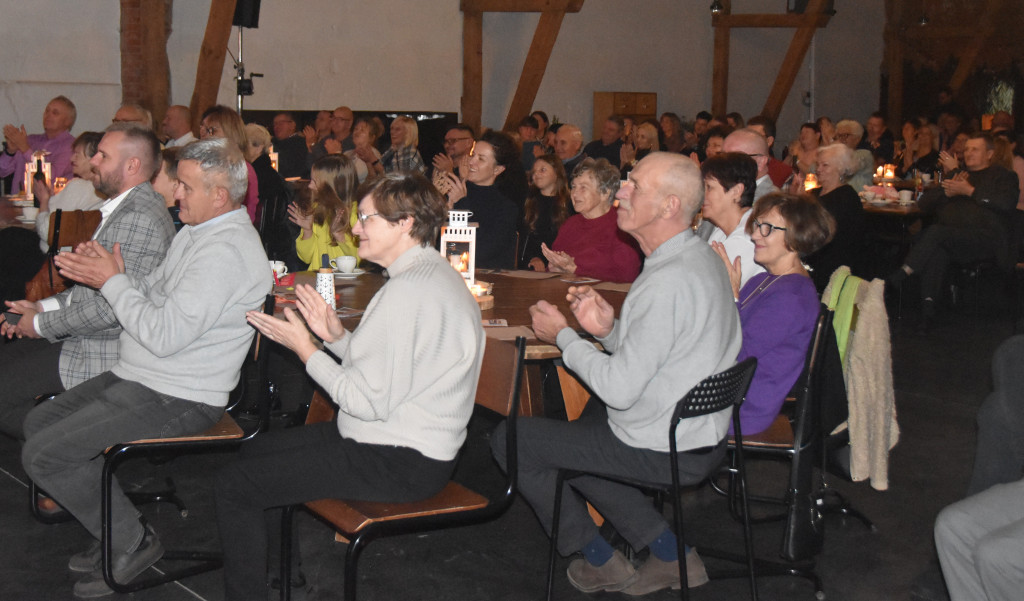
{"points": [[70, 337]]}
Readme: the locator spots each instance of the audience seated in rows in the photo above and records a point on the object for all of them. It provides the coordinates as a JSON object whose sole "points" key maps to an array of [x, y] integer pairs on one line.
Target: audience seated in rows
{"points": [[56, 139], [569, 146], [166, 180], [134, 113], [365, 153], [608, 145], [458, 142], [590, 243], [803, 153], [335, 139], [777, 170], [183, 323], [778, 307], [527, 129], [753, 144], [274, 197], [860, 174], [403, 155], [644, 142]]}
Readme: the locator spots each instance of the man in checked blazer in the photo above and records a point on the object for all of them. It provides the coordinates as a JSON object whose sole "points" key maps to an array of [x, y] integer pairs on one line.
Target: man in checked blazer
{"points": [[71, 337]]}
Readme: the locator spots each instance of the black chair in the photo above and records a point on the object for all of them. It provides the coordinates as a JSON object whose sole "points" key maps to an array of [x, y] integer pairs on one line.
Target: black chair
{"points": [[361, 522], [224, 436], [711, 395], [802, 440]]}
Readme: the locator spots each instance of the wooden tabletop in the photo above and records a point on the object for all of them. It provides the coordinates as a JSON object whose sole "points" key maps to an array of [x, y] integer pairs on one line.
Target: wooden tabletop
{"points": [[513, 297]]}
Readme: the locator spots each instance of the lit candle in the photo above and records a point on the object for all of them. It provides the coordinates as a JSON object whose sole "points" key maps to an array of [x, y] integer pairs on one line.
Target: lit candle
{"points": [[890, 171], [810, 182]]}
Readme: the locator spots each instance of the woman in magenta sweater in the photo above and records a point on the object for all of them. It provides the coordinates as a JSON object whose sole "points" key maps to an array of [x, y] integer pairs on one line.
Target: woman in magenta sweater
{"points": [[590, 243], [777, 308]]}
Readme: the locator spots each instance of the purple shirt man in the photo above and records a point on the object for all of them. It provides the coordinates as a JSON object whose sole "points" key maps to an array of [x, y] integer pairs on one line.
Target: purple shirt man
{"points": [[58, 118]]}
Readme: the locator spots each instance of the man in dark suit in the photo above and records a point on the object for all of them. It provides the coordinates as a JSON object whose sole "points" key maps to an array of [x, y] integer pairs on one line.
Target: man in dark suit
{"points": [[72, 336]]}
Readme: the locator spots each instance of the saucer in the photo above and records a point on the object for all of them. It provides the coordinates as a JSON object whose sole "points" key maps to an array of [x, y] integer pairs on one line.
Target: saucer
{"points": [[349, 276]]}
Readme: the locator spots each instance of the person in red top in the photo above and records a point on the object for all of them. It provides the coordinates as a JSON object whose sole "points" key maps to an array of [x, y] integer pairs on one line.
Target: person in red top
{"points": [[590, 243], [778, 171]]}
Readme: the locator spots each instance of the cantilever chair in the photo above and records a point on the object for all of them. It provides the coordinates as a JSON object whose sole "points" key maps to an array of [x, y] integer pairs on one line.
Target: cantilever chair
{"points": [[361, 522], [711, 395]]}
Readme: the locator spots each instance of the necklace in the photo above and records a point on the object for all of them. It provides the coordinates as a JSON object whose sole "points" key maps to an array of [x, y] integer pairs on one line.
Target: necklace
{"points": [[764, 285]]}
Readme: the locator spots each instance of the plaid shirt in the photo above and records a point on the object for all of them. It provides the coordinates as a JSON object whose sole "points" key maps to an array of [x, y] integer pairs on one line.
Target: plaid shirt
{"points": [[406, 159], [87, 326]]}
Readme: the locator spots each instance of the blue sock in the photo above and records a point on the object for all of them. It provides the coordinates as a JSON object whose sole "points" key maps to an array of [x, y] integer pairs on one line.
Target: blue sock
{"points": [[597, 552], [664, 547]]}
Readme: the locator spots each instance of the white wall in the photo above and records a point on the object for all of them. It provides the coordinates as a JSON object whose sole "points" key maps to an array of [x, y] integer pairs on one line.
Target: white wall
{"points": [[402, 55]]}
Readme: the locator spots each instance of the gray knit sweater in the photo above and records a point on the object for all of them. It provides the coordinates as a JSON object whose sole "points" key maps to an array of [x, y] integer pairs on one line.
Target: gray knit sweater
{"points": [[677, 326], [184, 329], [408, 373]]}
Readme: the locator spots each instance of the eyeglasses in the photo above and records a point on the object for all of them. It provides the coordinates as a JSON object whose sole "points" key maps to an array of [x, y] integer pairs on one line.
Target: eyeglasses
{"points": [[451, 141], [754, 155], [766, 229], [362, 218], [209, 130]]}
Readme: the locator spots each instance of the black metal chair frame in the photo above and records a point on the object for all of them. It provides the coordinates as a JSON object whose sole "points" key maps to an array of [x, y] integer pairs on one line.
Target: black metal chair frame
{"points": [[205, 561], [713, 394], [377, 529]]}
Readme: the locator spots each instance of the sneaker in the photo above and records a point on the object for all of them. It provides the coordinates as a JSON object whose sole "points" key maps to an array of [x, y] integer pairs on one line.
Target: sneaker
{"points": [[87, 561], [127, 566], [656, 574], [616, 574]]}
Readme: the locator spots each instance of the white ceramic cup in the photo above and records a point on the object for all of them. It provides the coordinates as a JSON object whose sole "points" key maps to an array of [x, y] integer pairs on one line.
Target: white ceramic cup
{"points": [[906, 196], [926, 178], [29, 212], [279, 268], [344, 263], [869, 196]]}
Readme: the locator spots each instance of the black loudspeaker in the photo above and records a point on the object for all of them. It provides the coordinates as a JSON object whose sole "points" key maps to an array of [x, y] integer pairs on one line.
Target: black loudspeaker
{"points": [[247, 13]]}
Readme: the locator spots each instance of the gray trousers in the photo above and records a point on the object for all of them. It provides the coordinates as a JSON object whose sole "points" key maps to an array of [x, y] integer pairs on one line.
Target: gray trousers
{"points": [[28, 368], [980, 541], [588, 445], [66, 437]]}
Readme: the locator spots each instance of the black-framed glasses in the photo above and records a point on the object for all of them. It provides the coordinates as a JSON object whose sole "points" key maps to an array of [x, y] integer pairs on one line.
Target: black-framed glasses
{"points": [[766, 228], [362, 218], [450, 141]]}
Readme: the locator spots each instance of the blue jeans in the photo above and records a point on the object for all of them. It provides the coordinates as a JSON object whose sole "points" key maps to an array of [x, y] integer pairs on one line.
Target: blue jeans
{"points": [[66, 437]]}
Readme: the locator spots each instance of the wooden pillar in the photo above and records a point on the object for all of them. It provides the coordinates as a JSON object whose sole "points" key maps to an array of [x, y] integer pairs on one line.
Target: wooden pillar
{"points": [[720, 72], [472, 68], [211, 58], [793, 61], [145, 71], [894, 57], [533, 69]]}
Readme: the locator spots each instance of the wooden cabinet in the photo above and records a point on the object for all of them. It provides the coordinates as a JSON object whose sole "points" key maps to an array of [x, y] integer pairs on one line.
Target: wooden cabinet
{"points": [[638, 105]]}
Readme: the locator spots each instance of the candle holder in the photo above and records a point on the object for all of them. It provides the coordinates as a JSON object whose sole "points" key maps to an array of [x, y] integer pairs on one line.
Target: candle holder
{"points": [[31, 167], [458, 245]]}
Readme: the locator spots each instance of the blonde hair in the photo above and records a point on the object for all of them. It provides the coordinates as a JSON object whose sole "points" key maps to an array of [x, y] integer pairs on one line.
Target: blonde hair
{"points": [[412, 131]]}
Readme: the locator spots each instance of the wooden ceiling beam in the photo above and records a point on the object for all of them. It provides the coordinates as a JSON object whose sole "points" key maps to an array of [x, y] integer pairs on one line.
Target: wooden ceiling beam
{"points": [[767, 20], [472, 68], [794, 59], [211, 58], [533, 69], [520, 6], [720, 63], [972, 49]]}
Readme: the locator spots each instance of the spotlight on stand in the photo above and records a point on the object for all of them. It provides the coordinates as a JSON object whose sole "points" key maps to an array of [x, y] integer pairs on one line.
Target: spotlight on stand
{"points": [[716, 7]]}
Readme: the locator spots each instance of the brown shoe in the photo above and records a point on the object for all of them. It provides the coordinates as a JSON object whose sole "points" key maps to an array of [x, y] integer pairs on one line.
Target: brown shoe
{"points": [[616, 574], [656, 574]]}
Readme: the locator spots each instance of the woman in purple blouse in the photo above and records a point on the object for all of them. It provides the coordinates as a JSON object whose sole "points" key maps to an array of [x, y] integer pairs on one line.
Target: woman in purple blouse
{"points": [[777, 308]]}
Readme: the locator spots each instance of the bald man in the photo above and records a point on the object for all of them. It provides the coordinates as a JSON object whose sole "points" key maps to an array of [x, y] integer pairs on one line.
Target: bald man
{"points": [[654, 354], [753, 144], [177, 126], [56, 139], [133, 113]]}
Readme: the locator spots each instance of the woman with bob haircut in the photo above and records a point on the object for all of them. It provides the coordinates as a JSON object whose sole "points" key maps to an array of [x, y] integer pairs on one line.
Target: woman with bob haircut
{"points": [[778, 308], [404, 385]]}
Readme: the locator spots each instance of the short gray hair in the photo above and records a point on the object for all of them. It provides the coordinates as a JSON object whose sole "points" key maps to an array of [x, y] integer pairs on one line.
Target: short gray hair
{"points": [[216, 156], [842, 157]]}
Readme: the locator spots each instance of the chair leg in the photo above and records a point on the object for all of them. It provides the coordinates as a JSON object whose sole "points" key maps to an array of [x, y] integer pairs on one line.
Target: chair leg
{"points": [[834, 502], [34, 495], [748, 539], [355, 549], [287, 515], [555, 518]]}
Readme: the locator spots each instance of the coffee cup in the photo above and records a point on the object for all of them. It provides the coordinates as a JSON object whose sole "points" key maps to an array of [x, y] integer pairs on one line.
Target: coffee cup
{"points": [[279, 268], [869, 196], [344, 263], [29, 213], [906, 196], [926, 178]]}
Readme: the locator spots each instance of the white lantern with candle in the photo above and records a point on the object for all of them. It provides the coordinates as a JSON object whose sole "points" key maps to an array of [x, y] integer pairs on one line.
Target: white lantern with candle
{"points": [[38, 159], [458, 244]]}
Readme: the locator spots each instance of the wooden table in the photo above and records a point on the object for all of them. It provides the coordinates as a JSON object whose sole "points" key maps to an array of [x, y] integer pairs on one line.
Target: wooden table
{"points": [[513, 297]]}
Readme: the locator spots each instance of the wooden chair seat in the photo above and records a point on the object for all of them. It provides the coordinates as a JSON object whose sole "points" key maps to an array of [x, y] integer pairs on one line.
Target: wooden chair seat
{"points": [[225, 429], [353, 516], [779, 435]]}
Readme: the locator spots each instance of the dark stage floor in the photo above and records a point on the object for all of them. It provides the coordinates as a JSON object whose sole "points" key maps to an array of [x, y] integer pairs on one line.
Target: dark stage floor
{"points": [[940, 379]]}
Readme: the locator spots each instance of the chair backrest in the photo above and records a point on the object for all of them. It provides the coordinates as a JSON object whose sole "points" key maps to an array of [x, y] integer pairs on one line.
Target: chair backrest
{"points": [[713, 394], [259, 399], [70, 228], [498, 389], [807, 413]]}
